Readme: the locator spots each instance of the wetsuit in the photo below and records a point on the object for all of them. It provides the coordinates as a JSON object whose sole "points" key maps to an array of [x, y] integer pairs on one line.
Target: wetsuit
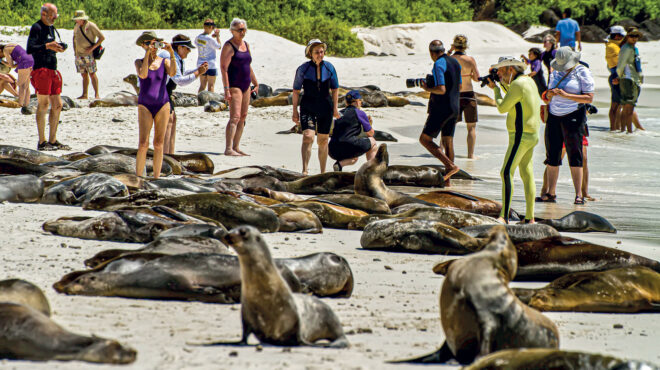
{"points": [[522, 103], [316, 106], [345, 143], [153, 90], [443, 109], [239, 68]]}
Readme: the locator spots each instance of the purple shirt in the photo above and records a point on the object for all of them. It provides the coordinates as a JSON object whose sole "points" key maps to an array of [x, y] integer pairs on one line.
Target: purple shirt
{"points": [[363, 119], [535, 65]]}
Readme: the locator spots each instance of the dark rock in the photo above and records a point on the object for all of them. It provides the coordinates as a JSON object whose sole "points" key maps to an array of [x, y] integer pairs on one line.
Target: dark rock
{"points": [[549, 18], [651, 28], [382, 55], [519, 28], [592, 33], [538, 38], [627, 23], [484, 10], [372, 53], [264, 91]]}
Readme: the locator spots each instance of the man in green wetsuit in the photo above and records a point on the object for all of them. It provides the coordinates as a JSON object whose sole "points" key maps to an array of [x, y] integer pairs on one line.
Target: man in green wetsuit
{"points": [[522, 105]]}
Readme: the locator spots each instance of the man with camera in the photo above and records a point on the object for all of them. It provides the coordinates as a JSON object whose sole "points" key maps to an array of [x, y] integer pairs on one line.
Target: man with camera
{"points": [[45, 77], [443, 107], [87, 38], [522, 105]]}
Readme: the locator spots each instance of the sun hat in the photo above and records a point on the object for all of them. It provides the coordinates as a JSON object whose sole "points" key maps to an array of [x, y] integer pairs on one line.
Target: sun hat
{"points": [[565, 59], [352, 95], [617, 30], [182, 40], [634, 31], [310, 46], [80, 15], [147, 36], [509, 62]]}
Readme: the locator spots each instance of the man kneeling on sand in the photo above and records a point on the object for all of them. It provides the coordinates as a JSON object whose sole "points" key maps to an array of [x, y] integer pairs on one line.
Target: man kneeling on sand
{"points": [[345, 144]]}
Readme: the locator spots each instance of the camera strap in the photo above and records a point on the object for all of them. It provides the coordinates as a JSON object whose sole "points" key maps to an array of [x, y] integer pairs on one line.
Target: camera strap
{"points": [[58, 34], [85, 36]]}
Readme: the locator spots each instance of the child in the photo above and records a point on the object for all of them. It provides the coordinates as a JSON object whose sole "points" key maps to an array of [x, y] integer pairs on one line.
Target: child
{"points": [[536, 73]]}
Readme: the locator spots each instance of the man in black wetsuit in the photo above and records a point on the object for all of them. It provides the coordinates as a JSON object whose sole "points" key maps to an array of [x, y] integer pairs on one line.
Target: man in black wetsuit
{"points": [[45, 77], [443, 107], [346, 145]]}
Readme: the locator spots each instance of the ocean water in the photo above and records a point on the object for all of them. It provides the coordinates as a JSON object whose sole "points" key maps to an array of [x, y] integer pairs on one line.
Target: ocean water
{"points": [[624, 169]]}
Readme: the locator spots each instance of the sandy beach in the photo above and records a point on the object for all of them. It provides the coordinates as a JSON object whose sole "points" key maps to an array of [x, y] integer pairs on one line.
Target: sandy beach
{"points": [[393, 312]]}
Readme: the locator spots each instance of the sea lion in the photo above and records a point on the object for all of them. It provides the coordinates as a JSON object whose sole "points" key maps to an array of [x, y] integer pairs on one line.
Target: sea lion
{"points": [[75, 156], [242, 172], [324, 183], [297, 219], [83, 189], [180, 99], [137, 199], [369, 181], [550, 258], [188, 184], [269, 309], [21, 188], [480, 314], [195, 162], [396, 101], [15, 166], [227, 209], [417, 236], [463, 202], [356, 201], [281, 196], [206, 96], [205, 277], [382, 136], [580, 222], [519, 233], [24, 293], [272, 101], [450, 217], [428, 175], [29, 155], [331, 215], [118, 99], [546, 358], [623, 290], [114, 163], [132, 181], [28, 334]]}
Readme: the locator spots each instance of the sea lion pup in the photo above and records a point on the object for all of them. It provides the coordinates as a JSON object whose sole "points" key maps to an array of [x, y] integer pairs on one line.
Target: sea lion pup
{"points": [[580, 222], [451, 217], [21, 188], [28, 334], [545, 358], [24, 293], [269, 309], [518, 233], [331, 215], [480, 314], [369, 181], [297, 219], [551, 258], [417, 236], [622, 290]]}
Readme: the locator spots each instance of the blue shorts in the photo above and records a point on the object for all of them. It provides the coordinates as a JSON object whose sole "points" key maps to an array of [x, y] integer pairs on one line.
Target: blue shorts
{"points": [[211, 72], [616, 90]]}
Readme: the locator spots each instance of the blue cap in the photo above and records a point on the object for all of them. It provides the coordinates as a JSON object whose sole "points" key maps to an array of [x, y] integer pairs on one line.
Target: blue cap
{"points": [[353, 95]]}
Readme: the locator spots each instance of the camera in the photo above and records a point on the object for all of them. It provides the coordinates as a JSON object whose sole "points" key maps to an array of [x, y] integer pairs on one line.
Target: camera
{"points": [[159, 45], [412, 82], [591, 109], [253, 93], [492, 75], [63, 45]]}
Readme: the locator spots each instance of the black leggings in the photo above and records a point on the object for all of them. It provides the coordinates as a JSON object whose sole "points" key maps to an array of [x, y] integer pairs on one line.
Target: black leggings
{"points": [[568, 130]]}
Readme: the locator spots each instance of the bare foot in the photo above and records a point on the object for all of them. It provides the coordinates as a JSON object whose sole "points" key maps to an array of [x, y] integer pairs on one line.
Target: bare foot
{"points": [[232, 153], [501, 220], [523, 222], [241, 152], [450, 172], [304, 173], [97, 97], [589, 198], [82, 97]]}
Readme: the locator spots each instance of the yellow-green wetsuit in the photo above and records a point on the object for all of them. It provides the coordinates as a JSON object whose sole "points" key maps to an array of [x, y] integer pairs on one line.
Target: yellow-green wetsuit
{"points": [[522, 103]]}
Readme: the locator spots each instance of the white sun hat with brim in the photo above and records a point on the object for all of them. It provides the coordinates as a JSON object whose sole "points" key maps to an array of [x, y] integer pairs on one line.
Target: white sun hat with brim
{"points": [[311, 44], [509, 62], [565, 59], [616, 30]]}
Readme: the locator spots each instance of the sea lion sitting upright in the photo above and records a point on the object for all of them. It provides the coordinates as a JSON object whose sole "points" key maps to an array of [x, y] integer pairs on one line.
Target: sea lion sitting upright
{"points": [[369, 181], [480, 314], [269, 309]]}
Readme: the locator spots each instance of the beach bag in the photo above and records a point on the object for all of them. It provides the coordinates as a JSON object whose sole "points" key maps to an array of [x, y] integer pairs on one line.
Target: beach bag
{"points": [[545, 108], [96, 53]]}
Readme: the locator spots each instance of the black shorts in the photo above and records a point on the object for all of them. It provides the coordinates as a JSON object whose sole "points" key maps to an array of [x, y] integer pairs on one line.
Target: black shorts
{"points": [[211, 72], [346, 149], [568, 130], [320, 123], [444, 122], [616, 90], [468, 106]]}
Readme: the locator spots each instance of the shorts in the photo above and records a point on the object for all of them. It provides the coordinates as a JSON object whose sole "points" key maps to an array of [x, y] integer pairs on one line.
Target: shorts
{"points": [[629, 91], [468, 107], [86, 64], [210, 72], [346, 149], [616, 90], [444, 122], [569, 131], [321, 123], [46, 81]]}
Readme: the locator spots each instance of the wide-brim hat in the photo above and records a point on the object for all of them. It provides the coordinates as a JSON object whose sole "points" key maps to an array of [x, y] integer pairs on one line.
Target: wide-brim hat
{"points": [[616, 30], [634, 31], [565, 59], [186, 43], [79, 15], [509, 62], [310, 46], [147, 36]]}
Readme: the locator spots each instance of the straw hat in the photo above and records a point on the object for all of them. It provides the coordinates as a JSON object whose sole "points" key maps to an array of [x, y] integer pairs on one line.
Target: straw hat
{"points": [[509, 62], [634, 31], [147, 36], [310, 46], [565, 59], [80, 15]]}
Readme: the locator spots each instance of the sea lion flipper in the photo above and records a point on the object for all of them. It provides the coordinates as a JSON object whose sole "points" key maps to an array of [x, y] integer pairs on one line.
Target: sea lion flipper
{"points": [[442, 267], [441, 356], [525, 295]]}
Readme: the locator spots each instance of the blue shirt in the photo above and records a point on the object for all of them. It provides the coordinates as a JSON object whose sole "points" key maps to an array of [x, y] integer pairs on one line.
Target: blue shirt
{"points": [[567, 28], [307, 71]]}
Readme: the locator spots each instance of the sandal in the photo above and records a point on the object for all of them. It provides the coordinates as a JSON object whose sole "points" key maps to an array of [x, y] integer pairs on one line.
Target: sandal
{"points": [[579, 200], [549, 198]]}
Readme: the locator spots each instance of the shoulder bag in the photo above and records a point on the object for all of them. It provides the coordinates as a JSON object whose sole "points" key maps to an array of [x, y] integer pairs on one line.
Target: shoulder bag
{"points": [[545, 108], [96, 53]]}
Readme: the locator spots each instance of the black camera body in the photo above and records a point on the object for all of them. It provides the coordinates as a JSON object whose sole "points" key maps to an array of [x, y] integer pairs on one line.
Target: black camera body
{"points": [[253, 93], [492, 75], [63, 45], [412, 82], [591, 109]]}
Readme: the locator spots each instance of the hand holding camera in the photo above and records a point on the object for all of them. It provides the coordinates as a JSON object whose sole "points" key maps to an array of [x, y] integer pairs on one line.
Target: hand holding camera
{"points": [[55, 46], [203, 68], [490, 79]]}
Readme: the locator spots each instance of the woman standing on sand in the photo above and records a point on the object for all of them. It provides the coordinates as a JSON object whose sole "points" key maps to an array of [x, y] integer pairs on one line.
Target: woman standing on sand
{"points": [[319, 81], [153, 99], [550, 46], [208, 43], [16, 57], [235, 60]]}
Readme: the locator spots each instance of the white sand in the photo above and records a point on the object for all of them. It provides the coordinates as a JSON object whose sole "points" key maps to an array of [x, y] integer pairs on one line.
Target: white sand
{"points": [[398, 305]]}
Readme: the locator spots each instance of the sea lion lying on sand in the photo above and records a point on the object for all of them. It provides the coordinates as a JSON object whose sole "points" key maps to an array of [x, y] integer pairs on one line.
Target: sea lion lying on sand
{"points": [[580, 222], [21, 188], [355, 201], [518, 233], [84, 189], [25, 293], [463, 202], [29, 155], [331, 215], [451, 217], [297, 219]]}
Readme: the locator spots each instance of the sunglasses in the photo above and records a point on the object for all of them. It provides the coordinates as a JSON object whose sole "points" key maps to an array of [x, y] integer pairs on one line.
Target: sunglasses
{"points": [[240, 29], [209, 24], [633, 36]]}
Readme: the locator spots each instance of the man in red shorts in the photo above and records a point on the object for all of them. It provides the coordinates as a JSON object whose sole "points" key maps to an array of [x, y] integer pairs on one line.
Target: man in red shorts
{"points": [[45, 78]]}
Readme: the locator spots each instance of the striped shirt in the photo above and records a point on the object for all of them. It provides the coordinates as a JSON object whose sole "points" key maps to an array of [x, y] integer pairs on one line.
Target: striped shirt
{"points": [[579, 81]]}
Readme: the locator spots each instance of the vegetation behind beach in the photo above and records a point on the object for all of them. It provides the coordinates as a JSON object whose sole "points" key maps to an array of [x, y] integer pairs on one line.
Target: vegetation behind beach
{"points": [[331, 20]]}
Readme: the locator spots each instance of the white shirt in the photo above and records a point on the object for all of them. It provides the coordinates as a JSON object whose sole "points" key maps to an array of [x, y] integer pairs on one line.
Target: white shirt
{"points": [[579, 81], [207, 47]]}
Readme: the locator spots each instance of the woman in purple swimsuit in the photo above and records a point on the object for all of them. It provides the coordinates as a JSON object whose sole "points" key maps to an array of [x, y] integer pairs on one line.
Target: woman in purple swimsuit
{"points": [[16, 56], [237, 74], [153, 99]]}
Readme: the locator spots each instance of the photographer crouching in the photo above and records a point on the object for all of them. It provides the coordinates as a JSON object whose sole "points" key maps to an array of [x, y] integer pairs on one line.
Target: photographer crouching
{"points": [[443, 107], [522, 105]]}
